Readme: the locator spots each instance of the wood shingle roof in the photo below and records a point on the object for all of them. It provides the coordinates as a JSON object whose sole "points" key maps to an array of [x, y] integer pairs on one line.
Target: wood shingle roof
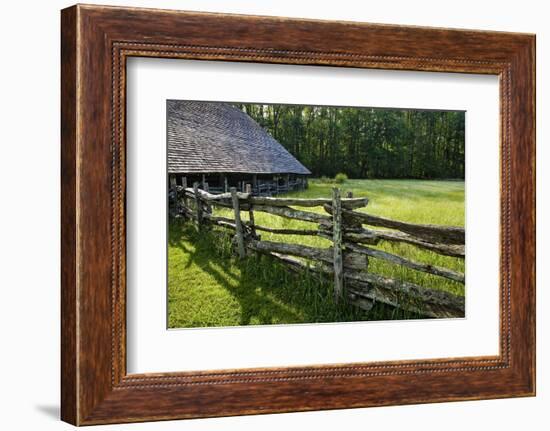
{"points": [[219, 137]]}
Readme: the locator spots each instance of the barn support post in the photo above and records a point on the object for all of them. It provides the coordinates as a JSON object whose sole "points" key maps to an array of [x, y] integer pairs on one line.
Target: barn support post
{"points": [[225, 184], [238, 223], [255, 182], [203, 181], [198, 204], [337, 245], [287, 182]]}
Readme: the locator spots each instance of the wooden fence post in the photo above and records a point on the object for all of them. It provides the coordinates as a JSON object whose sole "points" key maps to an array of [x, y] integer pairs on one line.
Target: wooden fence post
{"points": [[337, 245], [198, 205], [238, 224], [206, 203], [173, 186], [173, 204], [184, 195], [251, 212]]}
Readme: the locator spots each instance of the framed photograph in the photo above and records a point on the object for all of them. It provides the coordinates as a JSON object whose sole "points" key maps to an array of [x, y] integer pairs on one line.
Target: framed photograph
{"points": [[266, 215]]}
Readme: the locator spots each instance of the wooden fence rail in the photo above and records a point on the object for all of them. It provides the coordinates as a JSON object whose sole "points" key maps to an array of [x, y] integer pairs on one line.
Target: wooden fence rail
{"points": [[348, 258]]}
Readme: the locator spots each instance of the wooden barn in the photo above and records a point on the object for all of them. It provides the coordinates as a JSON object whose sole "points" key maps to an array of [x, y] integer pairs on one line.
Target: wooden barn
{"points": [[220, 146]]}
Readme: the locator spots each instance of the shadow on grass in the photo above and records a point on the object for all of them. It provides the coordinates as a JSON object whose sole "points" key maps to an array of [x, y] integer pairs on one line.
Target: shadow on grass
{"points": [[210, 253], [266, 291]]}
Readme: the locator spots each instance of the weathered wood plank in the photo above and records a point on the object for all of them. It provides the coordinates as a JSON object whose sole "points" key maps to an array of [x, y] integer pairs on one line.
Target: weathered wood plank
{"points": [[238, 225], [292, 263], [216, 219], [310, 232], [224, 202], [398, 260], [431, 233], [453, 250], [373, 237], [225, 224], [366, 237], [352, 260], [349, 203], [219, 197], [225, 198], [405, 295], [292, 249], [337, 248], [292, 213]]}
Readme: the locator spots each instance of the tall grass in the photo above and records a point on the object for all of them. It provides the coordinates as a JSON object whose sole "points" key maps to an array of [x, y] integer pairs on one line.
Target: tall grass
{"points": [[208, 287]]}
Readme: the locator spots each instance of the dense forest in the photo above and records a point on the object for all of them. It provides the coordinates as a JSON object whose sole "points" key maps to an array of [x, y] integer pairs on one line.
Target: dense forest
{"points": [[368, 142]]}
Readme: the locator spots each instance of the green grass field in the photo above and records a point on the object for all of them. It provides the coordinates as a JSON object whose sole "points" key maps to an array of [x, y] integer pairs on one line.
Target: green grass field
{"points": [[207, 286]]}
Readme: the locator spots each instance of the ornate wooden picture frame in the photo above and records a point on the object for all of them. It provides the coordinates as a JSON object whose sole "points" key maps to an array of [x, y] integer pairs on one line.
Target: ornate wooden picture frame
{"points": [[96, 41]]}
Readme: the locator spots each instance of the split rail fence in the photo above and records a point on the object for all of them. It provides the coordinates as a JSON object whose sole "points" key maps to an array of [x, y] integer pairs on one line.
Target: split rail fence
{"points": [[348, 257]]}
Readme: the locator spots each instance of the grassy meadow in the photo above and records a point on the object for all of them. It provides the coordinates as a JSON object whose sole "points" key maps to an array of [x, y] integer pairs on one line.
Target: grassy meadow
{"points": [[208, 287]]}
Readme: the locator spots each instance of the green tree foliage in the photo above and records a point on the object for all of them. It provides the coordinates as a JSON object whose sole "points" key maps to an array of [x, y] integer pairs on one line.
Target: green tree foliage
{"points": [[368, 142]]}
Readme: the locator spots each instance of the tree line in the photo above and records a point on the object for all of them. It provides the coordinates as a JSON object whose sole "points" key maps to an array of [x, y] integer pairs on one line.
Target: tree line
{"points": [[368, 142]]}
